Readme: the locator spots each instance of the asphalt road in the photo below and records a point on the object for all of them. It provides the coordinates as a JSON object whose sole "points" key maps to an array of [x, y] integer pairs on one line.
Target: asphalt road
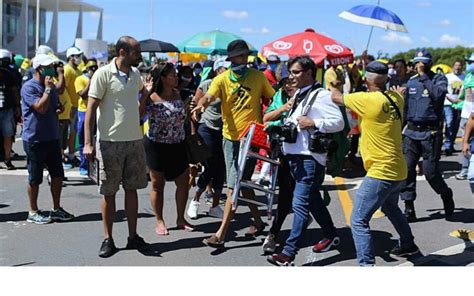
{"points": [[77, 243]]}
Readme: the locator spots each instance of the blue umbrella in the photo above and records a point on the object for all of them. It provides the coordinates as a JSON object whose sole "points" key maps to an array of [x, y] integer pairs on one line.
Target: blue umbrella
{"points": [[374, 15]]}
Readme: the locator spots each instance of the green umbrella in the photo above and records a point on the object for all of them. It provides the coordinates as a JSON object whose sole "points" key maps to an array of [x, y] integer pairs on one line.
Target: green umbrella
{"points": [[211, 43]]}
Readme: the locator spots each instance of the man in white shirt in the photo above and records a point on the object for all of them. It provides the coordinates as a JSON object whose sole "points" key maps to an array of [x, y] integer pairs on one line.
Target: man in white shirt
{"points": [[313, 111]]}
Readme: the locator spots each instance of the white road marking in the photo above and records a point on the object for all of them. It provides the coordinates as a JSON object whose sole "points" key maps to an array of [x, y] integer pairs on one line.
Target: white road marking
{"points": [[457, 249], [24, 172]]}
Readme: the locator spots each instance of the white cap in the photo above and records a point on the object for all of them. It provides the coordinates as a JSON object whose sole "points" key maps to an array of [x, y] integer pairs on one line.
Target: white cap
{"points": [[221, 62], [42, 60], [44, 49], [73, 51], [5, 54]]}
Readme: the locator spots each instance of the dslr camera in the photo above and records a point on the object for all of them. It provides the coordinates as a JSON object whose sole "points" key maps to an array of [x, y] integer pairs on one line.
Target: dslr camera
{"points": [[288, 132], [322, 143]]}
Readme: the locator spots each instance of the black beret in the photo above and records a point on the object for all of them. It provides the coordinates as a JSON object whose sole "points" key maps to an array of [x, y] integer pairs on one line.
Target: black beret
{"points": [[377, 67]]}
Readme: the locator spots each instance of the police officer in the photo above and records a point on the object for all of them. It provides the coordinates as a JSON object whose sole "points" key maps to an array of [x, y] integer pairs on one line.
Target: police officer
{"points": [[423, 135]]}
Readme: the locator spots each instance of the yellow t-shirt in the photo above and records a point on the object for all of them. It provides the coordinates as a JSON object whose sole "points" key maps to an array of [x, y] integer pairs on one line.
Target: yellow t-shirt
{"points": [[65, 102], [80, 84], [241, 100], [70, 75], [381, 136]]}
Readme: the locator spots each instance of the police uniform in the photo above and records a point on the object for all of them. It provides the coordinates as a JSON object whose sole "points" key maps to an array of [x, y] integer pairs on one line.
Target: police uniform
{"points": [[423, 135]]}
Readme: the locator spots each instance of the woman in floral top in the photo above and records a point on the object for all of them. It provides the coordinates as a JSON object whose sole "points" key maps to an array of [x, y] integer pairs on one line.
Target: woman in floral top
{"points": [[164, 145]]}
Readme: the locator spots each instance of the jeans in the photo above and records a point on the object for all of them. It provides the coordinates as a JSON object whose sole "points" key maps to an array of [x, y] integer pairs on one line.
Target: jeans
{"points": [[81, 116], [451, 118], [470, 175], [464, 159], [214, 167], [372, 194], [308, 175]]}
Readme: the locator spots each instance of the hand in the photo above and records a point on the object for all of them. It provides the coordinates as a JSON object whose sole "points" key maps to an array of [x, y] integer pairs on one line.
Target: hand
{"points": [[89, 152], [287, 107], [48, 81], [420, 68], [60, 71], [466, 149], [399, 89], [198, 110], [148, 83], [304, 122], [60, 109]]}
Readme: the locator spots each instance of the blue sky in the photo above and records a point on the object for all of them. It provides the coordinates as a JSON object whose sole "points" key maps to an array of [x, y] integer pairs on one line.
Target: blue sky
{"points": [[435, 23]]}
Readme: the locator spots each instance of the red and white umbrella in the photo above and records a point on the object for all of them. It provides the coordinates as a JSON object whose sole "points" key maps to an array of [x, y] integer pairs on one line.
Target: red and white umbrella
{"points": [[315, 45]]}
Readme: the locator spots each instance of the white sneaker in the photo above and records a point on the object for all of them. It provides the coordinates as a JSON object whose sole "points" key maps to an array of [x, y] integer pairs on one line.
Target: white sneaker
{"points": [[216, 212], [269, 245], [193, 209]]}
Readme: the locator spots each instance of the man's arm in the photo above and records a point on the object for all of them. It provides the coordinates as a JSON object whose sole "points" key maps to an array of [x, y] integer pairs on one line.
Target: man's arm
{"points": [[336, 96], [466, 147], [84, 93], [202, 105], [89, 124], [145, 96], [61, 85], [41, 106]]}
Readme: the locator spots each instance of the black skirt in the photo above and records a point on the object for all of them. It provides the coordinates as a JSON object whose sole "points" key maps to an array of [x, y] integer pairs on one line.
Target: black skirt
{"points": [[169, 159]]}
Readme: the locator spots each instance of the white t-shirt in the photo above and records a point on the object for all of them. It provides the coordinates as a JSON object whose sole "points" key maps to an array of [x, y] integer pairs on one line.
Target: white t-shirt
{"points": [[454, 87]]}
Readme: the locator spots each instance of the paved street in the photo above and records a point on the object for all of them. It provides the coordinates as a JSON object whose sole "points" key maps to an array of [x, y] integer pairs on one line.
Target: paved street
{"points": [[77, 243]]}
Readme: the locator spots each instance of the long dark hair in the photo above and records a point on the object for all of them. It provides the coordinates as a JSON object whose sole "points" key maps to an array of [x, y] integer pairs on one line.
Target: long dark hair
{"points": [[161, 70]]}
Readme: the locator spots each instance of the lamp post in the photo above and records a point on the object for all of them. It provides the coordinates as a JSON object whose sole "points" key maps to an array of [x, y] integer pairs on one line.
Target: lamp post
{"points": [[37, 23]]}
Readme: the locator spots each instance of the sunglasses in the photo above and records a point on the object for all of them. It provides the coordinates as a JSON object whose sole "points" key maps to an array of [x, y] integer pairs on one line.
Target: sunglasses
{"points": [[296, 72]]}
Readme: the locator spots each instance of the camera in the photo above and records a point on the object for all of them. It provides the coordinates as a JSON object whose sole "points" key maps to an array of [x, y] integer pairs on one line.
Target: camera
{"points": [[322, 143], [288, 132]]}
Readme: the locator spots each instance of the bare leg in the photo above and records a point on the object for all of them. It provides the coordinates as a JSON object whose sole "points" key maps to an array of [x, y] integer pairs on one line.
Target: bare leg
{"points": [[228, 214], [7, 147], [250, 194], [181, 197], [156, 197], [56, 188], [131, 210], [33, 191], [108, 215]]}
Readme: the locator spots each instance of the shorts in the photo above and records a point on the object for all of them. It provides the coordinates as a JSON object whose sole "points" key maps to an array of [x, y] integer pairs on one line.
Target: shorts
{"points": [[40, 155], [231, 156], [73, 119], [121, 162], [7, 122], [169, 159], [63, 133]]}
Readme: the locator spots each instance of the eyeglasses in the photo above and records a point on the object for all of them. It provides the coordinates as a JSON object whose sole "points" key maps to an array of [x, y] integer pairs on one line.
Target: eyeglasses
{"points": [[296, 72]]}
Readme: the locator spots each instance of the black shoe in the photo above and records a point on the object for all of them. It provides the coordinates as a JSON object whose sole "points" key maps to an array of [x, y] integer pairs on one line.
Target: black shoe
{"points": [[137, 243], [448, 203], [108, 248], [399, 251], [448, 152], [9, 166], [410, 211]]}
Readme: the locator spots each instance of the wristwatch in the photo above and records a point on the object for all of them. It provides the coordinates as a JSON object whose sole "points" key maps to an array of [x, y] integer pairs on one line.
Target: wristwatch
{"points": [[47, 90]]}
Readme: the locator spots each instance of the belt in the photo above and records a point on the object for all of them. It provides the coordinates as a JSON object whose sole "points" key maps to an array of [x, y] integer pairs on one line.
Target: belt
{"points": [[421, 127]]}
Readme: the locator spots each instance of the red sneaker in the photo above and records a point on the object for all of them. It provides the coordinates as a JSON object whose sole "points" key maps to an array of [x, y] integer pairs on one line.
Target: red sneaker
{"points": [[280, 260], [326, 244]]}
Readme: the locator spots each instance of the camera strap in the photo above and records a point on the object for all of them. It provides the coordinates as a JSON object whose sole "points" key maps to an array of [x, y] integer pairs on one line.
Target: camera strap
{"points": [[303, 101], [393, 105], [311, 102]]}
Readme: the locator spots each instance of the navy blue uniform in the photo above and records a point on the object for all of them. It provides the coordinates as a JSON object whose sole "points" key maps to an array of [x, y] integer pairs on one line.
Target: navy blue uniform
{"points": [[423, 135]]}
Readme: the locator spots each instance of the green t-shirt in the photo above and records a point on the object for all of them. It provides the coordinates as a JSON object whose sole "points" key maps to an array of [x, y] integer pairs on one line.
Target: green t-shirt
{"points": [[279, 99]]}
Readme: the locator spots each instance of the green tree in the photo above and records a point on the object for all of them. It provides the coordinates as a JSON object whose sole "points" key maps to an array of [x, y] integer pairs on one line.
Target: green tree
{"points": [[440, 55]]}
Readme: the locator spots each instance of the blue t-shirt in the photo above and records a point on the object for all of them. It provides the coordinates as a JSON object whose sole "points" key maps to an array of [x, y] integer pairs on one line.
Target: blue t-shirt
{"points": [[38, 127]]}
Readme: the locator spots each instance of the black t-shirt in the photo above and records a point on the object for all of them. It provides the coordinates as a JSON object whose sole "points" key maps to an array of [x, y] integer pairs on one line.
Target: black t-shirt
{"points": [[7, 84]]}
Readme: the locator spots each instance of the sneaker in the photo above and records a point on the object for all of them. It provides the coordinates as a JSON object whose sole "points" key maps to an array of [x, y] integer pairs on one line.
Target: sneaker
{"points": [[216, 212], [410, 211], [61, 215], [208, 198], [269, 245], [281, 260], [137, 243], [38, 217], [399, 251], [326, 244], [9, 166], [83, 172], [193, 209], [448, 203], [107, 248], [263, 182], [67, 166], [462, 175]]}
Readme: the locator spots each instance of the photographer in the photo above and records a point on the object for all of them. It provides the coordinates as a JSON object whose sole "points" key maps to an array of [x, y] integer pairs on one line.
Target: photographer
{"points": [[305, 131]]}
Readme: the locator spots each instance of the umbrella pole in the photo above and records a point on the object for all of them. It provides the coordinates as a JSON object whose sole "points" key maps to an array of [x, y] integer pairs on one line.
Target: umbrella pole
{"points": [[370, 36]]}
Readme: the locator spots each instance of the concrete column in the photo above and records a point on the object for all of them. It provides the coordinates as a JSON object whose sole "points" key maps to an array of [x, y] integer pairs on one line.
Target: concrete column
{"points": [[53, 36], [79, 24], [1, 24], [101, 25]]}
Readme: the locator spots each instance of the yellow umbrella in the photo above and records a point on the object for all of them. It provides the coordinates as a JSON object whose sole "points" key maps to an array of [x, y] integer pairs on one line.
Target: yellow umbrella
{"points": [[188, 57], [445, 68]]}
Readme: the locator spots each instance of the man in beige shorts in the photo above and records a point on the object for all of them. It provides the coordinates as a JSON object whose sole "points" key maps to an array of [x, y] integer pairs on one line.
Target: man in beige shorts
{"points": [[114, 90]]}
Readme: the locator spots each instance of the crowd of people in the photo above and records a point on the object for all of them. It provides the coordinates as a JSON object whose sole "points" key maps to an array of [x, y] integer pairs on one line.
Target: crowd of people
{"points": [[391, 114]]}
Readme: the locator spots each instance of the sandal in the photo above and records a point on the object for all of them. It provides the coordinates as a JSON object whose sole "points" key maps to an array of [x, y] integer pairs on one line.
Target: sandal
{"points": [[254, 231], [186, 227], [213, 242]]}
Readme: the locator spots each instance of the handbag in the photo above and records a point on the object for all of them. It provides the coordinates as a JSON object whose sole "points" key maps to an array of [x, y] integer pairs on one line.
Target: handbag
{"points": [[196, 150]]}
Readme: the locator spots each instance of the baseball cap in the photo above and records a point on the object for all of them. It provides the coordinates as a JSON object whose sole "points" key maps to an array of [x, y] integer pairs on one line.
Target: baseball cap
{"points": [[236, 48], [221, 62], [377, 67], [423, 56], [73, 51], [471, 58], [5, 54], [42, 60]]}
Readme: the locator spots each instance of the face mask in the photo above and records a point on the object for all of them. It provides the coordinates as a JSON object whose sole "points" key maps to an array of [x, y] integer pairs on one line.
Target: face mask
{"points": [[392, 72], [239, 69], [470, 68], [273, 67], [76, 61], [48, 72]]}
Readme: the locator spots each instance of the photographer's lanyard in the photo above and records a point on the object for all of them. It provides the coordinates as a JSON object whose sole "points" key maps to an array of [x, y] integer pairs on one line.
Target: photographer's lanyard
{"points": [[303, 101]]}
